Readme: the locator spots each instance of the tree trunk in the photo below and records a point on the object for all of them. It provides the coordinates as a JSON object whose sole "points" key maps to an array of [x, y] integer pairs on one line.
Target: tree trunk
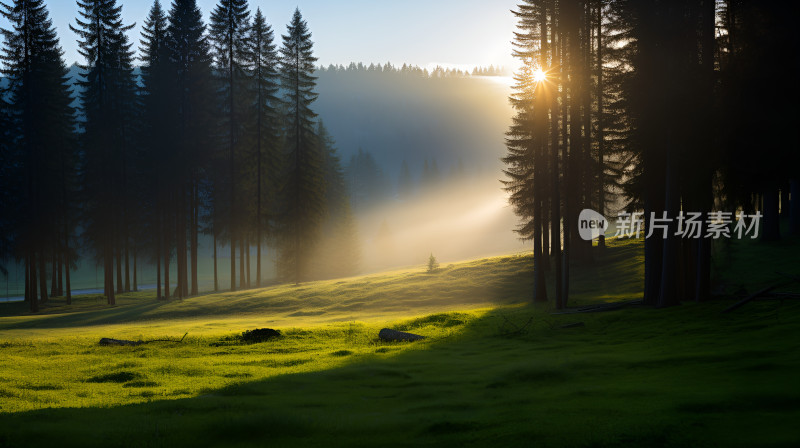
{"points": [[109, 274], [771, 216], [127, 266], [43, 278], [242, 283], [601, 190], [120, 284], [27, 281], [167, 286], [670, 265], [106, 291], [216, 279], [653, 249], [555, 117], [158, 258], [785, 200], [545, 240], [233, 264], [60, 273], [233, 222], [30, 276], [564, 67], [182, 252], [258, 190], [247, 248], [135, 281], [585, 162], [539, 286], [67, 267], [195, 239], [54, 281], [258, 261], [794, 208]]}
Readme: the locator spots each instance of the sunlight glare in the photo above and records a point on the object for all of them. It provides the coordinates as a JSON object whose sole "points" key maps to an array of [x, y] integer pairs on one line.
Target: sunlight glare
{"points": [[539, 75]]}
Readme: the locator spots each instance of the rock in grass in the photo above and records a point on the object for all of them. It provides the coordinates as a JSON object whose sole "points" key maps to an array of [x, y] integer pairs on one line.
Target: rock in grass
{"points": [[387, 334], [109, 341], [260, 335]]}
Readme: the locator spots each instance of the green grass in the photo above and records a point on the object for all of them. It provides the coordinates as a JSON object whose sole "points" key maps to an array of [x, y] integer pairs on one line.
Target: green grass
{"points": [[685, 376]]}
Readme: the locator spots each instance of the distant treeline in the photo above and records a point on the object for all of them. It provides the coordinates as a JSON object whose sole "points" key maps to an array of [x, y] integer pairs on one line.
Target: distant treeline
{"points": [[436, 72]]}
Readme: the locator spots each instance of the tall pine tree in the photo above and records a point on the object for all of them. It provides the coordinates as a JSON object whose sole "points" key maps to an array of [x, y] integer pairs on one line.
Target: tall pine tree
{"points": [[157, 145], [40, 146], [108, 100], [303, 188], [191, 61], [264, 90], [229, 28]]}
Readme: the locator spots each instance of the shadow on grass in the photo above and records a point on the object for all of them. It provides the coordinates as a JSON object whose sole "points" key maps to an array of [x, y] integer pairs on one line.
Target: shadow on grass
{"points": [[638, 377], [684, 376], [500, 281]]}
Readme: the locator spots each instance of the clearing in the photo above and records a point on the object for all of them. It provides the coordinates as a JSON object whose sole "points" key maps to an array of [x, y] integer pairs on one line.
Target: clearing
{"points": [[637, 377]]}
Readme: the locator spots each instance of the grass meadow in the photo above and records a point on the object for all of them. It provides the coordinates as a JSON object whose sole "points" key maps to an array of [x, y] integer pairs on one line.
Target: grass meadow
{"points": [[683, 376]]}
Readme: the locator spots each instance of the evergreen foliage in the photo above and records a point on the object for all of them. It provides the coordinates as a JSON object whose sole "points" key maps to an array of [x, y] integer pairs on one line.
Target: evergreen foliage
{"points": [[302, 188], [39, 156]]}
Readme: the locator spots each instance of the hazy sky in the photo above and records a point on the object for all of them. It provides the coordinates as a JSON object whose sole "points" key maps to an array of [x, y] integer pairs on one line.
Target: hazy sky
{"points": [[459, 33]]}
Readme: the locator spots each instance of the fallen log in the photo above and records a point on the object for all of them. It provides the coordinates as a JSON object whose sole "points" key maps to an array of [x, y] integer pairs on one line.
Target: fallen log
{"points": [[611, 306], [110, 341], [387, 334], [573, 325], [781, 295], [749, 298], [517, 329]]}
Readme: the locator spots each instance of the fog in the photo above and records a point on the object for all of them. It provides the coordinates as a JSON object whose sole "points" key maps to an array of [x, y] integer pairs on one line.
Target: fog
{"points": [[454, 123], [455, 210], [467, 219], [404, 115]]}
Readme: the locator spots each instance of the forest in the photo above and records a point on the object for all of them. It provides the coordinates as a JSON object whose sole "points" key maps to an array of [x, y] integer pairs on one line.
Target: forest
{"points": [[660, 105], [596, 245], [157, 207]]}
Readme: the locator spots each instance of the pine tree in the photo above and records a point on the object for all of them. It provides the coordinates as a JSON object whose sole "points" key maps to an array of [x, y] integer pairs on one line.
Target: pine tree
{"points": [[156, 160], [190, 57], [8, 189], [264, 90], [303, 189], [229, 28], [338, 252], [433, 264], [40, 146], [527, 139], [671, 98], [108, 101]]}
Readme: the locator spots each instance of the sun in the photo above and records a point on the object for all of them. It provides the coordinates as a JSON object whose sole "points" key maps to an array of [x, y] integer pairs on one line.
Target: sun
{"points": [[539, 75]]}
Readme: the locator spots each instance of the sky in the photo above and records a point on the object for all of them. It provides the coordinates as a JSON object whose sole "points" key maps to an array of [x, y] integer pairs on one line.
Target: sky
{"points": [[451, 33]]}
